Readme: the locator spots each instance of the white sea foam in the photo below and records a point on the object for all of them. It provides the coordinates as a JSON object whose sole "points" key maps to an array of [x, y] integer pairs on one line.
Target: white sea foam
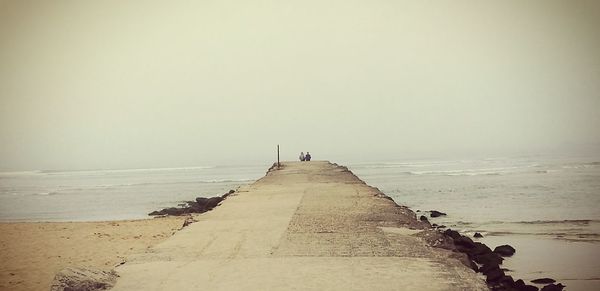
{"points": [[417, 164], [103, 171], [47, 193], [66, 190], [474, 171], [20, 173]]}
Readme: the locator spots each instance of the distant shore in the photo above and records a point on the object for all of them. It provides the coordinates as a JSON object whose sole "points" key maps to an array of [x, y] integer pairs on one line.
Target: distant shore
{"points": [[33, 252]]}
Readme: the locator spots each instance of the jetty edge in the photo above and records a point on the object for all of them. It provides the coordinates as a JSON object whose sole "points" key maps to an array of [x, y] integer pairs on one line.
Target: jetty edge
{"points": [[306, 226]]}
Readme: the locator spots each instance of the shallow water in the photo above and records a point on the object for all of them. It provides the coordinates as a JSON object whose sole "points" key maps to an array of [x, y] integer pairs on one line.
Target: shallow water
{"points": [[547, 208], [573, 263]]}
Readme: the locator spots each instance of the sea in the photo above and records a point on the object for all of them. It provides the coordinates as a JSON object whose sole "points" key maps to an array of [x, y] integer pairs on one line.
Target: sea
{"points": [[99, 195], [547, 207]]}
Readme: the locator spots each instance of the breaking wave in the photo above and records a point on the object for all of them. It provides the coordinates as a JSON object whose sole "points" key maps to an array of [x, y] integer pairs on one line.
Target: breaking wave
{"points": [[102, 171], [124, 170], [63, 190], [47, 193], [474, 172]]}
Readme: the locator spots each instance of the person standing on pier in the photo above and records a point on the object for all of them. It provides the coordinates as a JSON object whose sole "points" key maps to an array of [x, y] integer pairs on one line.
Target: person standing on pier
{"points": [[301, 156]]}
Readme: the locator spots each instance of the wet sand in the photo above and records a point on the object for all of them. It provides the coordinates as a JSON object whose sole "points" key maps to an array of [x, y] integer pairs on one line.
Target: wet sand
{"points": [[308, 226], [31, 253]]}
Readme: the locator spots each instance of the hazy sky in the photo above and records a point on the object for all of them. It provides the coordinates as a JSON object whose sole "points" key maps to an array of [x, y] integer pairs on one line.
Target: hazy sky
{"points": [[122, 84]]}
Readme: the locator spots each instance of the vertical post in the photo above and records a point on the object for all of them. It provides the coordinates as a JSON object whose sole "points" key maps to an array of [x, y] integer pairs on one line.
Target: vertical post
{"points": [[278, 165]]}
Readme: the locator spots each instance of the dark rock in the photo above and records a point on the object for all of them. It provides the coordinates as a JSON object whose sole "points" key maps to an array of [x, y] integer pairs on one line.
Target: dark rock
{"points": [[451, 233], [508, 281], [464, 242], [479, 249], [521, 286], [435, 213], [504, 250], [423, 218], [83, 279], [169, 211], [462, 249], [213, 202], [201, 200], [553, 287], [477, 235], [489, 258], [486, 268], [519, 283], [228, 193], [505, 283], [543, 281], [201, 205], [434, 225], [494, 276], [441, 226], [196, 207]]}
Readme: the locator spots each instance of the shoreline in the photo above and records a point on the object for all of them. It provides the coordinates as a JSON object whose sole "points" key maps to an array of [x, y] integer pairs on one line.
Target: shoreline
{"points": [[33, 252], [74, 221]]}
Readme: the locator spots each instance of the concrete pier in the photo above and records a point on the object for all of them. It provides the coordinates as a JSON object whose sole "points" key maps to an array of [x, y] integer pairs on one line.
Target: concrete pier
{"points": [[307, 226]]}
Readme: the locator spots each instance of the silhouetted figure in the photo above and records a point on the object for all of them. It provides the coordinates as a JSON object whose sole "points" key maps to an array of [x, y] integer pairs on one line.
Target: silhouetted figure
{"points": [[301, 157], [307, 157]]}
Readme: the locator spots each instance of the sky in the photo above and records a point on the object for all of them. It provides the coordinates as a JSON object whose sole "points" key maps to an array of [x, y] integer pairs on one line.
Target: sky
{"points": [[131, 84]]}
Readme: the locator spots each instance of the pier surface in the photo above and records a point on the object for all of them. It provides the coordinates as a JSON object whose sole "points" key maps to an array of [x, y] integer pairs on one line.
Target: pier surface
{"points": [[307, 226]]}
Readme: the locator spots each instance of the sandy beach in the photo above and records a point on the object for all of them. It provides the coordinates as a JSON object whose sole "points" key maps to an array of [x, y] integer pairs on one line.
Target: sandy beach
{"points": [[31, 253]]}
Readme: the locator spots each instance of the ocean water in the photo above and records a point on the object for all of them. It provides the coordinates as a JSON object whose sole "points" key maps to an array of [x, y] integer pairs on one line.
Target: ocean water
{"points": [[548, 208], [113, 194]]}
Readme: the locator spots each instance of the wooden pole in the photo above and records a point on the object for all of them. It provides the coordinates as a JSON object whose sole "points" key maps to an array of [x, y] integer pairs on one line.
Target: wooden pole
{"points": [[278, 165]]}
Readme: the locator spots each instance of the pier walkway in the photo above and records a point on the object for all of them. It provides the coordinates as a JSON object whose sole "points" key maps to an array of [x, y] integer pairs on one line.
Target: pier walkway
{"points": [[308, 226]]}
